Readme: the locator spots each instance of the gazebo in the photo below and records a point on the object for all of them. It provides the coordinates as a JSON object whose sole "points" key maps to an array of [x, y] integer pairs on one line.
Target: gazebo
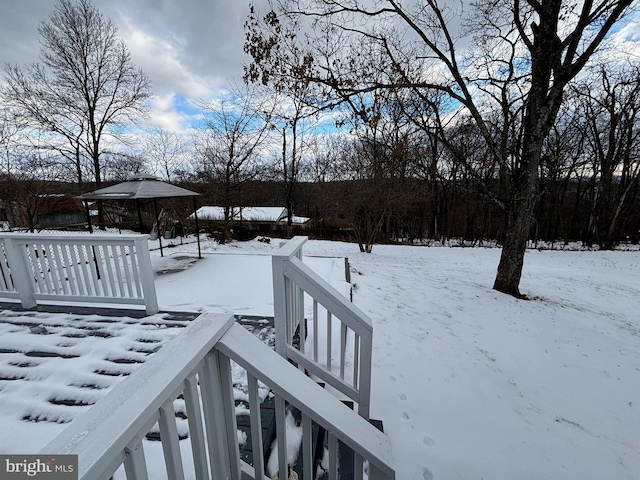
{"points": [[142, 187]]}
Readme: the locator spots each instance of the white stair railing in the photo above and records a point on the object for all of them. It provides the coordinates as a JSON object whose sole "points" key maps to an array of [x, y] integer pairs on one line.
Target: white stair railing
{"points": [[198, 364], [341, 335], [77, 268]]}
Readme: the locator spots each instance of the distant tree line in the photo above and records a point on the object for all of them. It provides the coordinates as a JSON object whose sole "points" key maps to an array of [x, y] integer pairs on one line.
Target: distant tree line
{"points": [[385, 180]]}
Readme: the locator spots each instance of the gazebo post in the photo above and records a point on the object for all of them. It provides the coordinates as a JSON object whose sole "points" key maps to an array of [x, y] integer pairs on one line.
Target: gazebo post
{"points": [[139, 214], [155, 207], [88, 212], [195, 214]]}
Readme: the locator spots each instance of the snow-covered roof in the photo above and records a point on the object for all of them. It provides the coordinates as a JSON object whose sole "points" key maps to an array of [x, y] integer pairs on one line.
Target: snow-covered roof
{"points": [[262, 214], [247, 214], [299, 220], [210, 213]]}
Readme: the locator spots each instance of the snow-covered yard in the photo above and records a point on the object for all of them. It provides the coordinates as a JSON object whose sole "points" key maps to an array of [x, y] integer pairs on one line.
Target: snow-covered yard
{"points": [[470, 384]]}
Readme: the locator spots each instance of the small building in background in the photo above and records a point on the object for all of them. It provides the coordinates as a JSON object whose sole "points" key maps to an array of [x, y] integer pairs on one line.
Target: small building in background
{"points": [[47, 211], [253, 219]]}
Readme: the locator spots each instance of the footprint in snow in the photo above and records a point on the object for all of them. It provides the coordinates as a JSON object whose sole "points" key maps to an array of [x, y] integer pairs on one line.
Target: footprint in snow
{"points": [[428, 441], [426, 474], [405, 415], [402, 397]]}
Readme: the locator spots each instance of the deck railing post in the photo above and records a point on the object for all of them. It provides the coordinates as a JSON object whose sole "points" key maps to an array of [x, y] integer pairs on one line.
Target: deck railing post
{"points": [[364, 381], [288, 298], [279, 306], [18, 265], [217, 440], [146, 275]]}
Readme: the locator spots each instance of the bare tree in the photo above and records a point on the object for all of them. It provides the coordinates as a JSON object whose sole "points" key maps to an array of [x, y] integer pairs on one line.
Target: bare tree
{"points": [[610, 108], [528, 52], [167, 151], [229, 149], [26, 175], [85, 87]]}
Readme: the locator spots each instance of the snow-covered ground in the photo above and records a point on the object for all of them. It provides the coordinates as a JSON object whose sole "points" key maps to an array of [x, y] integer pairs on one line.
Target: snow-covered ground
{"points": [[473, 384], [470, 383]]}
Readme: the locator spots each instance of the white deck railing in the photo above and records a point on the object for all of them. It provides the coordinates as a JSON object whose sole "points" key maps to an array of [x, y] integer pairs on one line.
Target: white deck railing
{"points": [[77, 268], [197, 363], [339, 348]]}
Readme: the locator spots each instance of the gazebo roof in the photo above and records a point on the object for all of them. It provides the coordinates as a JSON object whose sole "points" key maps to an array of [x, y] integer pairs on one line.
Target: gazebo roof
{"points": [[139, 187]]}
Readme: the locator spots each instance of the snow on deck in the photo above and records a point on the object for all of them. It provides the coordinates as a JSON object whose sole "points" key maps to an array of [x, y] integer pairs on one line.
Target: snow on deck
{"points": [[53, 366]]}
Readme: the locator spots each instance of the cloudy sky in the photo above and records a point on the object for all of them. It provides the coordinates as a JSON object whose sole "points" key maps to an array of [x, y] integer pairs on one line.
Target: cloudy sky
{"points": [[189, 48]]}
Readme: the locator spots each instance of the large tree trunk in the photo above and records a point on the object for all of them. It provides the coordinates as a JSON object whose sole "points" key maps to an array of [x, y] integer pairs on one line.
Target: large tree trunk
{"points": [[519, 217], [543, 103]]}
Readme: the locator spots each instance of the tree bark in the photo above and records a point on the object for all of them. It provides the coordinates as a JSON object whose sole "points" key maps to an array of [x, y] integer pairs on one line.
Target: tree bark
{"points": [[519, 217]]}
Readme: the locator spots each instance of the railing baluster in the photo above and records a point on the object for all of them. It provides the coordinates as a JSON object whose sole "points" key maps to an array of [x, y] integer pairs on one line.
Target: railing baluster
{"points": [[5, 273], [51, 267], [135, 465], [169, 438], [63, 271], [357, 466], [256, 427], [47, 268], [136, 269], [307, 447], [57, 274], [115, 260], [125, 257], [343, 348], [229, 412], [333, 457], [356, 360], [77, 285], [91, 270], [300, 296], [196, 431], [34, 268], [292, 309], [315, 330], [107, 269], [329, 334], [60, 268], [281, 436], [303, 326], [287, 310]]}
